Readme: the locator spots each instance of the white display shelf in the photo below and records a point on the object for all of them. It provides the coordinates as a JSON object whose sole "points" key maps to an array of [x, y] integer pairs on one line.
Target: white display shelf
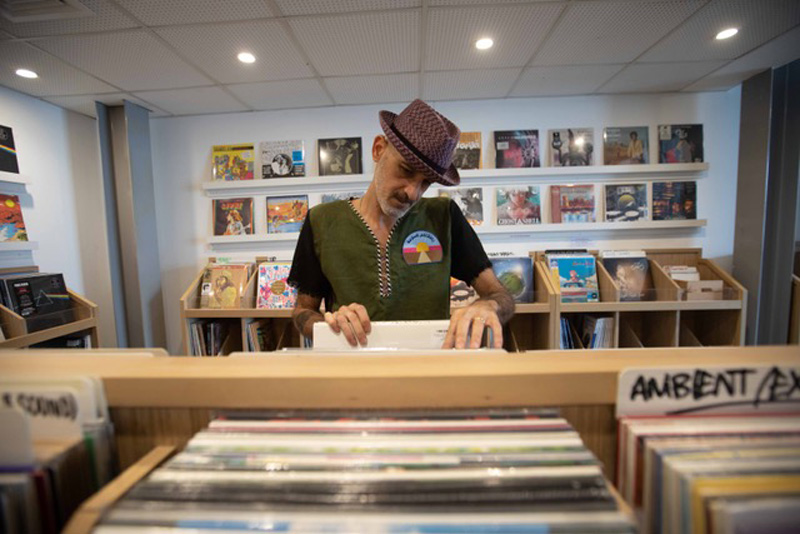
{"points": [[13, 178], [217, 241], [471, 177], [16, 246]]}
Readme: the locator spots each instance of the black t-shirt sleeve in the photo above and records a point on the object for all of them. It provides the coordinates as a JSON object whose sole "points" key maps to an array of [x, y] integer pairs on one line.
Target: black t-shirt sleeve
{"points": [[306, 274], [468, 259]]}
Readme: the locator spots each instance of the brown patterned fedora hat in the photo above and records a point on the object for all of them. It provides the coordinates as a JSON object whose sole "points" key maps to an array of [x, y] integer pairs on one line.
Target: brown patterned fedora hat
{"points": [[425, 139]]}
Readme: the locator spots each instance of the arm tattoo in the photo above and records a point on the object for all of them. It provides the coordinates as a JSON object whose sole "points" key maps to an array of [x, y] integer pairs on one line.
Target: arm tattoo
{"points": [[302, 319], [505, 304]]}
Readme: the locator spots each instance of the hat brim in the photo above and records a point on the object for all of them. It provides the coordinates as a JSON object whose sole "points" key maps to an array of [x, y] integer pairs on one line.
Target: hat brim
{"points": [[450, 176]]}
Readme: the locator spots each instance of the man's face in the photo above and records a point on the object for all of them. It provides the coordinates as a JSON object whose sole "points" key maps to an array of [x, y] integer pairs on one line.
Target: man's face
{"points": [[398, 185]]}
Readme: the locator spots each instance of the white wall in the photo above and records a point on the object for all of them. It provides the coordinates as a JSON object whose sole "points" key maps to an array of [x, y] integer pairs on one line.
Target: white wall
{"points": [[182, 162], [63, 205]]}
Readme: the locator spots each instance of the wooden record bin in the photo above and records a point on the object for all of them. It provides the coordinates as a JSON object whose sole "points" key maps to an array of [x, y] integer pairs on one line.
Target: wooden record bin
{"points": [[81, 318], [278, 321], [663, 319]]}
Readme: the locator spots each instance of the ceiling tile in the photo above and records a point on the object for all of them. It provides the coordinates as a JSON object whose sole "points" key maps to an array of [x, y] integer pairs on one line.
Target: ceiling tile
{"points": [[758, 22], [658, 77], [106, 18], [611, 32], [318, 7], [55, 76], [5, 35], [463, 85], [282, 95], [372, 43], [516, 30], [567, 80], [85, 104], [133, 60], [779, 51], [162, 13], [374, 89], [194, 101], [214, 48]]}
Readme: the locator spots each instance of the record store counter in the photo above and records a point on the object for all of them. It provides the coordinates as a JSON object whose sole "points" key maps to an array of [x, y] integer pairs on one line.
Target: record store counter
{"points": [[159, 400]]}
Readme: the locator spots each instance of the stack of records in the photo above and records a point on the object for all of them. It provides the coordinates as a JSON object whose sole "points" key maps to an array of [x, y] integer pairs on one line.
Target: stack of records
{"points": [[454, 471], [58, 449], [716, 474]]}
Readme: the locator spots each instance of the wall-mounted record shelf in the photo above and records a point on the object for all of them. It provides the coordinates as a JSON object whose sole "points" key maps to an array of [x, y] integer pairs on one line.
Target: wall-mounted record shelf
{"points": [[471, 177], [17, 246], [13, 178], [488, 231]]}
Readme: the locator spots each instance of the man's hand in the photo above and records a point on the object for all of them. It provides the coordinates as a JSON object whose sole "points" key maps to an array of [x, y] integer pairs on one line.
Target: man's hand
{"points": [[492, 310], [472, 321], [351, 320]]}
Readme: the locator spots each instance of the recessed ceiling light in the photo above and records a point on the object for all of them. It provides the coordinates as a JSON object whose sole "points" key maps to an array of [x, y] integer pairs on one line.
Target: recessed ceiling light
{"points": [[25, 73], [246, 57], [727, 34], [484, 44]]}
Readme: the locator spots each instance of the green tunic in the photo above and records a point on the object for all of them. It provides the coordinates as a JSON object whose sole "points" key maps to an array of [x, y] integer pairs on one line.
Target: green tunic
{"points": [[410, 280]]}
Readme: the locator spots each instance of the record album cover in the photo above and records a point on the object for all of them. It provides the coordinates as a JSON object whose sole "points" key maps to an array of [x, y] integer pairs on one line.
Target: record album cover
{"points": [[680, 143], [273, 289], [282, 158], [233, 162], [223, 285], [674, 200], [12, 227], [461, 293], [626, 146], [516, 148], [631, 275], [516, 275], [576, 276], [572, 203], [286, 213], [468, 151], [233, 216], [571, 147], [626, 202], [8, 151], [42, 299], [341, 155], [469, 200], [518, 206]]}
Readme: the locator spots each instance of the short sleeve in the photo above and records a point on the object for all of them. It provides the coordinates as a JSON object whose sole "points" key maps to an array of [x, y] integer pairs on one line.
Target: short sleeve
{"points": [[468, 259], [306, 274]]}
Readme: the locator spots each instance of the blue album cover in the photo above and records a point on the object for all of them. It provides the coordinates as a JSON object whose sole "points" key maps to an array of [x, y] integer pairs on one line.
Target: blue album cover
{"points": [[577, 277], [516, 275]]}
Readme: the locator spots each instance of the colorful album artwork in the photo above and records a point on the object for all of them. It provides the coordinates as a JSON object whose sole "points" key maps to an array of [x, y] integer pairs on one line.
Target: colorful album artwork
{"points": [[674, 200], [286, 213], [518, 206], [233, 162], [233, 216], [516, 149], [626, 146], [680, 143], [273, 289], [12, 227]]}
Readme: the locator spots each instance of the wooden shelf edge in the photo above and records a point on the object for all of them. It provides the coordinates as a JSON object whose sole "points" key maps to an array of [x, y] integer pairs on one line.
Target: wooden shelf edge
{"points": [[90, 511], [243, 313], [49, 333]]}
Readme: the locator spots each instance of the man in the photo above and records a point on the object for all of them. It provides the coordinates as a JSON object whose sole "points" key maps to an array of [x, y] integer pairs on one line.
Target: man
{"points": [[635, 148], [390, 254]]}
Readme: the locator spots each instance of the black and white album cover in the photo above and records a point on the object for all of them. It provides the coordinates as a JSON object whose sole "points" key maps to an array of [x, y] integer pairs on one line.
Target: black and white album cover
{"points": [[340, 156], [282, 158]]}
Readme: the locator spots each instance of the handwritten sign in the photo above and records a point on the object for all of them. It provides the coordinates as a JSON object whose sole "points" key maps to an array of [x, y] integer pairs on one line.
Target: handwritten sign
{"points": [[714, 389], [53, 412]]}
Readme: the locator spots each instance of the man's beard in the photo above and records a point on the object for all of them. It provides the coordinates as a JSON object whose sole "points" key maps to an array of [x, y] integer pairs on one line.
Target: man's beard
{"points": [[388, 209]]}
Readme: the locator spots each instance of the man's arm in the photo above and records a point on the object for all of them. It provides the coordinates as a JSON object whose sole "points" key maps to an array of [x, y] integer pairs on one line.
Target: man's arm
{"points": [[494, 308], [306, 313]]}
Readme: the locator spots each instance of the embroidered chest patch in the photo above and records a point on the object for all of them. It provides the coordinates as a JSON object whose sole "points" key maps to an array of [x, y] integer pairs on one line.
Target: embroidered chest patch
{"points": [[422, 247]]}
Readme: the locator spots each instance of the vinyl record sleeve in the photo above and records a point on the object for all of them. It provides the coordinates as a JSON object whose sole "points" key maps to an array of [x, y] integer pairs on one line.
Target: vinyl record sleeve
{"points": [[339, 156]]}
